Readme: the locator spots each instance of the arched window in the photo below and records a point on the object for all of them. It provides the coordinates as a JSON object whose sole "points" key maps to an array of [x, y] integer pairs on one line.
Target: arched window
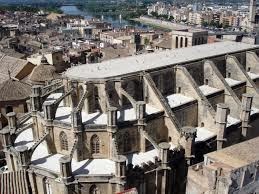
{"points": [[63, 141], [176, 42], [127, 142], [94, 190], [186, 42], [181, 42], [95, 144]]}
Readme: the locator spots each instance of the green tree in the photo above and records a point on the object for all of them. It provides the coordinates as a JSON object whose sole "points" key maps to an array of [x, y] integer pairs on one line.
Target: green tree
{"points": [[154, 14]]}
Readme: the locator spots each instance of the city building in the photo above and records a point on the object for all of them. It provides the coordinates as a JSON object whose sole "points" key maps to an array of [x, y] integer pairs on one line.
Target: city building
{"points": [[190, 37]]}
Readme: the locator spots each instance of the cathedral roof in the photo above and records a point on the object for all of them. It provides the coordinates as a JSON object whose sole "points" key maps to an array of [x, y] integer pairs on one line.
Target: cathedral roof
{"points": [[14, 90], [43, 72], [146, 62]]}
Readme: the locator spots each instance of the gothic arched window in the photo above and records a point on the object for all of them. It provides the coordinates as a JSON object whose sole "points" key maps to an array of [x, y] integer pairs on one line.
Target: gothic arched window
{"points": [[95, 144], [94, 190], [63, 141], [127, 142]]}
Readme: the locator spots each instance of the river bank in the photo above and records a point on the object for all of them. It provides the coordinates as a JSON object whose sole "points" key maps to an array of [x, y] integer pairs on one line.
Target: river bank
{"points": [[115, 20], [160, 23]]}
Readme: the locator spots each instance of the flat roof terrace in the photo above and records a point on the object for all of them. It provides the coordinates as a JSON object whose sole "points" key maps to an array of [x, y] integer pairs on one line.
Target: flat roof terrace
{"points": [[151, 61], [238, 155]]}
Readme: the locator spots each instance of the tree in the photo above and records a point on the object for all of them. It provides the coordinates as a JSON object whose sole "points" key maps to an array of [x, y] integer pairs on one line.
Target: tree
{"points": [[146, 41], [205, 24], [154, 14]]}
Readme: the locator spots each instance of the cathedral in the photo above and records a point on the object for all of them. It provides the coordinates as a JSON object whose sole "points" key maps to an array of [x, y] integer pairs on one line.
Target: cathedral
{"points": [[135, 124]]}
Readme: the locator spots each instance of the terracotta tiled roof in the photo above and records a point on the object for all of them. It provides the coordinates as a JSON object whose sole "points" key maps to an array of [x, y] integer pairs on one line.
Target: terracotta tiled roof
{"points": [[14, 90], [11, 64]]}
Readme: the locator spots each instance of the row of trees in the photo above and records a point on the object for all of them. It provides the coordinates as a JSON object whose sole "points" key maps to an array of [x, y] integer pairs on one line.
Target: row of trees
{"points": [[127, 10], [31, 9], [164, 17], [215, 24]]}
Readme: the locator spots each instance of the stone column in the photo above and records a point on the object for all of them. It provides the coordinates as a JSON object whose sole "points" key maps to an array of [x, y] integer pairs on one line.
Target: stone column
{"points": [[221, 123], [12, 121], [28, 104], [74, 94], [90, 99], [66, 100], [112, 129], [49, 116], [163, 155], [140, 110], [190, 134], [1, 125], [6, 137], [120, 172], [120, 166], [247, 100], [36, 98], [65, 168], [7, 143], [140, 115], [32, 179], [117, 86], [76, 120], [48, 110], [66, 172], [112, 117], [77, 125], [23, 157]]}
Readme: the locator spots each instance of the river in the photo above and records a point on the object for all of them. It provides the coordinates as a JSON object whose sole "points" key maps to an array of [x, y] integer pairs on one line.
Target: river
{"points": [[114, 20]]}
